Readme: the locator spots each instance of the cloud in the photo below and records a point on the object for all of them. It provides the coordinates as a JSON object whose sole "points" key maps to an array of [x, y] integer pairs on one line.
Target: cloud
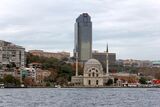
{"points": [[130, 26]]}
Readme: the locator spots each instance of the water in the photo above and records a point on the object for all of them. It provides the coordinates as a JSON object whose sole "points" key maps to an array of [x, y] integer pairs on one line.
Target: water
{"points": [[80, 97]]}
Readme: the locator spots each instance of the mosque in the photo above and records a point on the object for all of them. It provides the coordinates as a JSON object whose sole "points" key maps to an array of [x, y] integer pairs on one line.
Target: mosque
{"points": [[93, 73]]}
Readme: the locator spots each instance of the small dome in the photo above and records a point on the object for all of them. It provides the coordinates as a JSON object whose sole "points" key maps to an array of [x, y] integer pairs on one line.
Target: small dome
{"points": [[92, 64], [92, 61]]}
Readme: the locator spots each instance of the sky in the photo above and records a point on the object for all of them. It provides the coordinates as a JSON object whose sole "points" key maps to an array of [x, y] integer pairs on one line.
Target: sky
{"points": [[130, 27]]}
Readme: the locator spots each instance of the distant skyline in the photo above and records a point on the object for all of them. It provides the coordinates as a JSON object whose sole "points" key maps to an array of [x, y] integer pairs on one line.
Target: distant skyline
{"points": [[131, 27]]}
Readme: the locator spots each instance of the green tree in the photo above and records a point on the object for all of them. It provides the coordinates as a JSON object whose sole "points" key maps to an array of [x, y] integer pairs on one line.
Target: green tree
{"points": [[115, 80], [66, 71], [143, 80], [1, 80], [48, 84], [13, 64], [9, 66], [1, 66], [10, 80], [47, 63], [17, 82], [110, 82]]}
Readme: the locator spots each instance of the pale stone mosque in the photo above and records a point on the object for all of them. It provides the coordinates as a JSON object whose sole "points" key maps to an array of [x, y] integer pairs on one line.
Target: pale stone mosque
{"points": [[93, 74]]}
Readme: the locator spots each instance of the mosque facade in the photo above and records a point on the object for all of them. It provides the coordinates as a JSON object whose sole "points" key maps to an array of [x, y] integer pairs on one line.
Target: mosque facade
{"points": [[93, 75]]}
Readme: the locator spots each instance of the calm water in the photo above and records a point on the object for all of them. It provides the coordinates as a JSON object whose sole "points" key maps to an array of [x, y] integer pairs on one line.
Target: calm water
{"points": [[89, 97]]}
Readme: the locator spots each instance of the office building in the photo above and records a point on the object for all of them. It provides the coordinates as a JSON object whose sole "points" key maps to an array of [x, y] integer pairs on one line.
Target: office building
{"points": [[83, 37], [101, 56]]}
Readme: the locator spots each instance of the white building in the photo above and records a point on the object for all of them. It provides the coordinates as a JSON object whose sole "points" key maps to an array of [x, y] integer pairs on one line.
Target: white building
{"points": [[11, 53], [93, 75], [156, 64], [27, 73]]}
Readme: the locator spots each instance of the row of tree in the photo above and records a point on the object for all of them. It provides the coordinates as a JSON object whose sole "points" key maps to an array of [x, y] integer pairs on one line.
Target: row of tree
{"points": [[61, 72], [10, 81]]}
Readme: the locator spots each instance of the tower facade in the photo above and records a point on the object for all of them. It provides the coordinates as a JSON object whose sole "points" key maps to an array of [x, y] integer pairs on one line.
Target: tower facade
{"points": [[83, 37]]}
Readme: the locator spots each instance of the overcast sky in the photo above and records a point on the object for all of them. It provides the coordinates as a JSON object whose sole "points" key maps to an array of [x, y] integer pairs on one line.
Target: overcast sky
{"points": [[131, 27]]}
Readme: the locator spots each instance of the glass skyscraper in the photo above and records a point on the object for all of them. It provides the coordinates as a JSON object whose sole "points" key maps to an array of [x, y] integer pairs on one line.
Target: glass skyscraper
{"points": [[83, 37]]}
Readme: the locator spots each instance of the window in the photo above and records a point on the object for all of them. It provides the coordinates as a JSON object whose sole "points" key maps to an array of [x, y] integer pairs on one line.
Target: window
{"points": [[97, 75], [89, 75], [93, 74], [93, 68], [89, 82], [96, 82]]}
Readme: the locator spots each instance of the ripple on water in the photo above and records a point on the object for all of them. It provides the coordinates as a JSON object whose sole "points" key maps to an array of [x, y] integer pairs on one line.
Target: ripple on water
{"points": [[79, 97]]}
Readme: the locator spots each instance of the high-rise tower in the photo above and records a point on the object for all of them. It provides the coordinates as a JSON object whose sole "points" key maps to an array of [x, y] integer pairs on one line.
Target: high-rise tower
{"points": [[83, 37]]}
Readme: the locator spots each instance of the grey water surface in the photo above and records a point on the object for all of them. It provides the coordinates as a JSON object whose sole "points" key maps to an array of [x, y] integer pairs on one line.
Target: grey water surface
{"points": [[80, 97]]}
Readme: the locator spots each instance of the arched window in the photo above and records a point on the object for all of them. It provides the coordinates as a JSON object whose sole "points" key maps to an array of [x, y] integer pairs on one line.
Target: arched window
{"points": [[89, 82], [97, 75], [93, 68], [96, 70], [89, 75], [96, 82], [93, 74]]}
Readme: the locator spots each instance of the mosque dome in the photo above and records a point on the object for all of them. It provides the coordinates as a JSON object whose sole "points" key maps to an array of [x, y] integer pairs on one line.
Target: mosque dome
{"points": [[92, 64], [92, 61]]}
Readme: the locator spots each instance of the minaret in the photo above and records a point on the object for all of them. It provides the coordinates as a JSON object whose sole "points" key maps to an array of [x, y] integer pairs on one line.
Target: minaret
{"points": [[107, 60], [76, 64]]}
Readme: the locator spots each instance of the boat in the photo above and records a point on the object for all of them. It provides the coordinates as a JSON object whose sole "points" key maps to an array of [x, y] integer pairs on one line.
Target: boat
{"points": [[57, 86], [1, 85]]}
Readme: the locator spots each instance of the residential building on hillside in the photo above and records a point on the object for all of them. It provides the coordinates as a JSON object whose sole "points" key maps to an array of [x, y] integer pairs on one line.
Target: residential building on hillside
{"points": [[156, 64], [134, 63], [11, 53], [4, 73], [41, 75]]}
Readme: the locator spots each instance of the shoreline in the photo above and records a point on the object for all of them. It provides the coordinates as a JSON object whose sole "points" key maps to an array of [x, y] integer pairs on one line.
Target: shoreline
{"points": [[74, 87]]}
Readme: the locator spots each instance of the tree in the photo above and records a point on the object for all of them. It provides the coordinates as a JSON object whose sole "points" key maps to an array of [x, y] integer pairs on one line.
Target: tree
{"points": [[80, 69], [10, 80], [62, 80], [17, 82], [52, 77], [66, 71], [13, 64], [1, 66], [45, 61], [28, 81], [8, 66], [110, 82], [1, 80], [157, 75], [143, 80], [48, 84], [115, 80]]}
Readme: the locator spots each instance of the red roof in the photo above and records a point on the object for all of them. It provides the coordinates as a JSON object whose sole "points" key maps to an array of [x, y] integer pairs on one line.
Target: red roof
{"points": [[156, 81]]}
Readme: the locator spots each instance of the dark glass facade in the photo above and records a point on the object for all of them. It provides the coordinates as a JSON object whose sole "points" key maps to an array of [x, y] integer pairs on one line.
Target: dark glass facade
{"points": [[102, 58], [83, 37]]}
